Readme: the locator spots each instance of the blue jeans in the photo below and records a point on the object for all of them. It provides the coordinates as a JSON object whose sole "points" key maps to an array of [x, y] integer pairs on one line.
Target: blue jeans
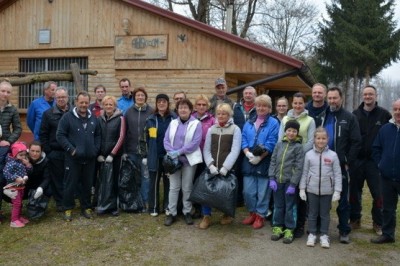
{"points": [[285, 207], [343, 209], [256, 194], [144, 176]]}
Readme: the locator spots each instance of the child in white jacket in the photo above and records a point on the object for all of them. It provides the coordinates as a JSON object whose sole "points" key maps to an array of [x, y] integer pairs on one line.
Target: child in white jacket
{"points": [[322, 180]]}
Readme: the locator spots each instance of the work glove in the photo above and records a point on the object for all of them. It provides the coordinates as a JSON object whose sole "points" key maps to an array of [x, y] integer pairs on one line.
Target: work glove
{"points": [[249, 155], [173, 154], [124, 157], [255, 160], [290, 190], [303, 195], [144, 161], [11, 193], [109, 159], [273, 185], [336, 196], [38, 193], [223, 171], [213, 170], [25, 178], [100, 158]]}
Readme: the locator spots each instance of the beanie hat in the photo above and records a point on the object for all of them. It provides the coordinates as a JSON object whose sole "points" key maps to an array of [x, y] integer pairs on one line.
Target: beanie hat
{"points": [[17, 147], [162, 96], [292, 124]]}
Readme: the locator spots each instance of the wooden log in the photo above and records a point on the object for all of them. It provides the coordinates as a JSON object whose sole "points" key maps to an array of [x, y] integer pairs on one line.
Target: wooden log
{"points": [[23, 74], [40, 78], [77, 78]]}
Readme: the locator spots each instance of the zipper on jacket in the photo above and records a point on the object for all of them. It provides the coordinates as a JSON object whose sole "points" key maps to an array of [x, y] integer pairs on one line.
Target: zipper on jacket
{"points": [[219, 146], [283, 156], [320, 173]]}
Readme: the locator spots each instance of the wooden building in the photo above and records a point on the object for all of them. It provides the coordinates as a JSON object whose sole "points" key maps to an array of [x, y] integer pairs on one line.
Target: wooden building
{"points": [[161, 50]]}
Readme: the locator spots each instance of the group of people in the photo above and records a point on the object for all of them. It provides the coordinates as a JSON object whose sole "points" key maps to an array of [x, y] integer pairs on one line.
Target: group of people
{"points": [[292, 164]]}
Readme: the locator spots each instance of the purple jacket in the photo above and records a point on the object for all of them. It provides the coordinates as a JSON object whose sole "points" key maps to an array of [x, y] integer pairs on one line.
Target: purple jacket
{"points": [[207, 121]]}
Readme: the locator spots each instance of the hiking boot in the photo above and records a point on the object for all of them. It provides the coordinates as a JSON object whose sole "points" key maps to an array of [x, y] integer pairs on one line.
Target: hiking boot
{"points": [[68, 215], [226, 219], [188, 219], [355, 224], [287, 236], [277, 233], [169, 220], [311, 239], [259, 222], [344, 238], [250, 219], [206, 222], [17, 224], [383, 239], [324, 241], [298, 232], [23, 220], [87, 213], [377, 229]]}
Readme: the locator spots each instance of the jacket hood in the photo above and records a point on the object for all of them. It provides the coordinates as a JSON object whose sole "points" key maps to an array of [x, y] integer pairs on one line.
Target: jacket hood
{"points": [[116, 113], [316, 149], [41, 159], [205, 116], [298, 139], [230, 122], [292, 115], [76, 113]]}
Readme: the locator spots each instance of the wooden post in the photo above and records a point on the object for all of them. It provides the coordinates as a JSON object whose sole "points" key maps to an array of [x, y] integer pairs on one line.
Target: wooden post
{"points": [[76, 75]]}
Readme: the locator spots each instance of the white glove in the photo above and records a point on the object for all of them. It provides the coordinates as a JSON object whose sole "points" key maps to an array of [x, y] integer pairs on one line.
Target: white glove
{"points": [[213, 170], [11, 193], [303, 195], [223, 171], [124, 157], [100, 158], [38, 193], [255, 160], [249, 155], [109, 159], [336, 196], [144, 161], [25, 178]]}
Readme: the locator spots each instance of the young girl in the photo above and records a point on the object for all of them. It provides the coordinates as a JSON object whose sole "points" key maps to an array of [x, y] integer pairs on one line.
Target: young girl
{"points": [[15, 173], [321, 178]]}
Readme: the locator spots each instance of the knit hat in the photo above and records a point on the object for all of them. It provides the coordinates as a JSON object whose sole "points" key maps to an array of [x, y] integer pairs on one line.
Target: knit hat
{"points": [[292, 124], [162, 96], [17, 147]]}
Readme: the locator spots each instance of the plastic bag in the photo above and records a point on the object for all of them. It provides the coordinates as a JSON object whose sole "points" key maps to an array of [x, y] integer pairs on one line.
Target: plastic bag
{"points": [[218, 192], [171, 165], [36, 207], [130, 199], [107, 197]]}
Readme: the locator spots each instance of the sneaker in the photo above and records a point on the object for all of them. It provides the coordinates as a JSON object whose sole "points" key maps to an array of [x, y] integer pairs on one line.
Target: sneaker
{"points": [[311, 239], [298, 232], [23, 220], [250, 219], [355, 224], [259, 222], [277, 233], [206, 222], [169, 220], [287, 236], [377, 229], [324, 241], [226, 219], [154, 214], [68, 215], [383, 239], [115, 213], [88, 213], [17, 224], [188, 219], [344, 238]]}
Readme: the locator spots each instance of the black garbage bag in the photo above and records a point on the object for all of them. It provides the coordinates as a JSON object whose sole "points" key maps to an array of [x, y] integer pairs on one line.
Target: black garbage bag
{"points": [[130, 199], [107, 194], [218, 192], [171, 165], [36, 207]]}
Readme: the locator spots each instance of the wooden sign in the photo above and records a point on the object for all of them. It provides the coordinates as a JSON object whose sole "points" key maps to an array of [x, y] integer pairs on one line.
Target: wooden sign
{"points": [[141, 47]]}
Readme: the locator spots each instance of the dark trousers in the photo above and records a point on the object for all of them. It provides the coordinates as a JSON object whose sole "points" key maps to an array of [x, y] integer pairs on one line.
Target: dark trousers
{"points": [[365, 170], [57, 177], [391, 193], [78, 173], [285, 208], [154, 192], [301, 211], [343, 209], [319, 206], [238, 172], [3, 154]]}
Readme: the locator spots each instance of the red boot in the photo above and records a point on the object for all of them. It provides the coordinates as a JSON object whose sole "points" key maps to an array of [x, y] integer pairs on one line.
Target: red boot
{"points": [[250, 219], [259, 222]]}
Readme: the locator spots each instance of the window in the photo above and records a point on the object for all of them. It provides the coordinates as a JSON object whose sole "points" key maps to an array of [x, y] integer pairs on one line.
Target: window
{"points": [[30, 92]]}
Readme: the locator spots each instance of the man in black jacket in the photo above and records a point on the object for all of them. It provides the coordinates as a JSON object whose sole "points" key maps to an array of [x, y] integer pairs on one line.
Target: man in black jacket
{"points": [[371, 118], [345, 140], [79, 135]]}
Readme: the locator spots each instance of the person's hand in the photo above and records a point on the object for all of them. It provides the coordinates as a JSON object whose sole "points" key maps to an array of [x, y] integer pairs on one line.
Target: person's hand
{"points": [[173, 154], [336, 196], [223, 171], [4, 143], [109, 159], [255, 160], [100, 158], [273, 185], [290, 190], [19, 180], [213, 170], [249, 155], [124, 157], [144, 161], [303, 195], [11, 193], [38, 193]]}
